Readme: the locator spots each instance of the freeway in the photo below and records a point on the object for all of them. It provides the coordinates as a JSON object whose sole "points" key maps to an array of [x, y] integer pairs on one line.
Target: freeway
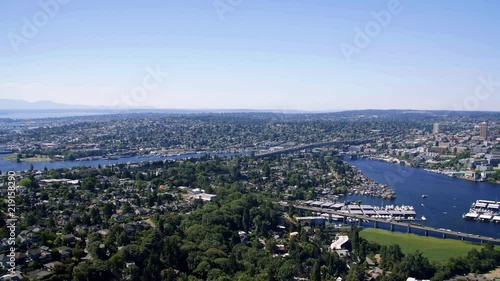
{"points": [[314, 145], [410, 226]]}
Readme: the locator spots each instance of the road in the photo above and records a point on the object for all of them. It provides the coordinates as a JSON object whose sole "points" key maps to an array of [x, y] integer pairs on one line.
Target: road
{"points": [[314, 145]]}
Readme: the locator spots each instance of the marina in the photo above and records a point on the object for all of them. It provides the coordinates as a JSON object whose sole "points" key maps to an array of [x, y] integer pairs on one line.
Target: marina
{"points": [[448, 198], [387, 212], [484, 210], [369, 187], [410, 227]]}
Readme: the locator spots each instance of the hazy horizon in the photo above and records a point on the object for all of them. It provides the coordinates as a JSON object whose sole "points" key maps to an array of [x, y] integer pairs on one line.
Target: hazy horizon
{"points": [[81, 108], [261, 55]]}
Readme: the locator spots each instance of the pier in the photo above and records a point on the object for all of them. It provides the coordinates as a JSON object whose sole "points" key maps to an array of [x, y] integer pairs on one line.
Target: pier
{"points": [[484, 210], [409, 226]]}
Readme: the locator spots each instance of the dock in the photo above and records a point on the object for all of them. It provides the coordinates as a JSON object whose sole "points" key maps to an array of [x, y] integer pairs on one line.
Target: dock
{"points": [[388, 212], [484, 210], [409, 226]]}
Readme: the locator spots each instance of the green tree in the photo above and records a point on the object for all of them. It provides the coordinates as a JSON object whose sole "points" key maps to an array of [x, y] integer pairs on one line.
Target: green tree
{"points": [[356, 273], [316, 272], [416, 265], [26, 182], [391, 255]]}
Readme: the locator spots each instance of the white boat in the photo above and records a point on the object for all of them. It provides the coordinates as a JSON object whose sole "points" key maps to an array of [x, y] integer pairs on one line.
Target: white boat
{"points": [[423, 218]]}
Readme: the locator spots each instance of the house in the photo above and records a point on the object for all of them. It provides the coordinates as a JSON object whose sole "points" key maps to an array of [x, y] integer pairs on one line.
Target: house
{"points": [[34, 254], [4, 245], [51, 265], [243, 236], [203, 196], [65, 251], [38, 274], [116, 217], [81, 227], [141, 211], [4, 259], [129, 230], [376, 273], [103, 232], [370, 262], [68, 239], [343, 254], [11, 277], [281, 247], [21, 258]]}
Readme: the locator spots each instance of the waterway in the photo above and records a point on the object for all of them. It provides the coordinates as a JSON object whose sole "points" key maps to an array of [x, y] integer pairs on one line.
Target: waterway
{"points": [[6, 165], [448, 198]]}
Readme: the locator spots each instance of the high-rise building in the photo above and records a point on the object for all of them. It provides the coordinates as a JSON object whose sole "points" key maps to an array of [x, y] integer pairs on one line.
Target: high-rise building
{"points": [[435, 128], [484, 130]]}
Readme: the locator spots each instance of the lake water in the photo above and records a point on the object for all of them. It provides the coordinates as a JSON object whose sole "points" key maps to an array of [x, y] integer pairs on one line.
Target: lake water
{"points": [[6, 165], [448, 198]]}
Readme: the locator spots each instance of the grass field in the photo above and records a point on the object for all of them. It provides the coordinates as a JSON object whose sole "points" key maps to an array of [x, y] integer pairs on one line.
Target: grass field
{"points": [[435, 249], [37, 158]]}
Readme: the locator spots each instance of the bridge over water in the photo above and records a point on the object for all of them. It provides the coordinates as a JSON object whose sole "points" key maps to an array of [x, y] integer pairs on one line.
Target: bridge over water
{"points": [[409, 226], [314, 145]]}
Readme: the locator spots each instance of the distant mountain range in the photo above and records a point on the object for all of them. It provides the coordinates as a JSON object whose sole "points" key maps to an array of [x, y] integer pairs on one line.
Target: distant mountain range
{"points": [[16, 105], [9, 104], [22, 105]]}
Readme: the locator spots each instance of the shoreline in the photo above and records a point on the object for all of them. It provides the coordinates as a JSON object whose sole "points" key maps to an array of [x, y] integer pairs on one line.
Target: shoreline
{"points": [[12, 157], [440, 172], [47, 159]]}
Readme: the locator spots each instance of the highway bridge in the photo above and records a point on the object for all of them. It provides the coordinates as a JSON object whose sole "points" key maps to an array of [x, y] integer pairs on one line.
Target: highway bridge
{"points": [[314, 145], [408, 226]]}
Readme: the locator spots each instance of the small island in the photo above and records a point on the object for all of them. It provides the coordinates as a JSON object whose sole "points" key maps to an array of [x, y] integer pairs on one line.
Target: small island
{"points": [[20, 157]]}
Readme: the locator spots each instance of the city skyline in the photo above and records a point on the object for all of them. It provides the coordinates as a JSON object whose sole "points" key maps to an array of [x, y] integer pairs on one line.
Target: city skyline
{"points": [[322, 56]]}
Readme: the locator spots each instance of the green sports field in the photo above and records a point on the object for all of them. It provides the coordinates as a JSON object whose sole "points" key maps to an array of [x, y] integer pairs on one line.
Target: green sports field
{"points": [[435, 249]]}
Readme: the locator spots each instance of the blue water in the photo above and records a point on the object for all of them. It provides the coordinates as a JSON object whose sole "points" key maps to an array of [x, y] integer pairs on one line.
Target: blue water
{"points": [[451, 195], [6, 165], [445, 194]]}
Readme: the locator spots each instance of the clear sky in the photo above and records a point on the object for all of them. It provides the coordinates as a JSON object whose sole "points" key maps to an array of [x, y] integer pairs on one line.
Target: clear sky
{"points": [[242, 54]]}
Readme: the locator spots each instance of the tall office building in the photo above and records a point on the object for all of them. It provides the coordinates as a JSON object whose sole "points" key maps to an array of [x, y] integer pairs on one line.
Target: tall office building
{"points": [[484, 130], [435, 128]]}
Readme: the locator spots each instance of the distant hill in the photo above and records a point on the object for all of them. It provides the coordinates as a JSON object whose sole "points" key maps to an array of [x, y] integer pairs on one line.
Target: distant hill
{"points": [[22, 105], [9, 104]]}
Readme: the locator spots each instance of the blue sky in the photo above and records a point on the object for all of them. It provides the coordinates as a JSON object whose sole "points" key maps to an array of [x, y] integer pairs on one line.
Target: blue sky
{"points": [[274, 54]]}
